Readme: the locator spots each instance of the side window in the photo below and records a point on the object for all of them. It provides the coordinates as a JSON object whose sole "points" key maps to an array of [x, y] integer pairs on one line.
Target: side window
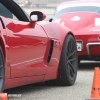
{"points": [[6, 13]]}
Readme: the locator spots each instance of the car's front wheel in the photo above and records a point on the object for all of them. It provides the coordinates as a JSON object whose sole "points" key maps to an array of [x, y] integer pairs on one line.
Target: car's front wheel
{"points": [[2, 71], [68, 64]]}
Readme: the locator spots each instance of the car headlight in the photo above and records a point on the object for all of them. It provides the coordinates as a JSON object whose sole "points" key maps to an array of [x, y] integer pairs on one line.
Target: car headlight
{"points": [[79, 44]]}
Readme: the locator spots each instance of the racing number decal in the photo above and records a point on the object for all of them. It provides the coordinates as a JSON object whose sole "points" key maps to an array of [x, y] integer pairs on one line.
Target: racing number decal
{"points": [[52, 32]]}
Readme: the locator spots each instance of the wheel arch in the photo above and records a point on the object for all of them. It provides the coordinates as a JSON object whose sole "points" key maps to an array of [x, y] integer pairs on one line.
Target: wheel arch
{"points": [[3, 47], [65, 33], [71, 34]]}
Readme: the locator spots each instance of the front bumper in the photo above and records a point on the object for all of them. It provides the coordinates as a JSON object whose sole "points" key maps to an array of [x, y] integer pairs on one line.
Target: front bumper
{"points": [[91, 44]]}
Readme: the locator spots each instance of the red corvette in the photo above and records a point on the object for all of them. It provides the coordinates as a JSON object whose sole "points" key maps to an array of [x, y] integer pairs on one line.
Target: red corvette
{"points": [[82, 17], [32, 51]]}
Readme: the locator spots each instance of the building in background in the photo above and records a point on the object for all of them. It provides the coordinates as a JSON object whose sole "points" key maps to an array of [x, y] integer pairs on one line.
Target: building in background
{"points": [[39, 3]]}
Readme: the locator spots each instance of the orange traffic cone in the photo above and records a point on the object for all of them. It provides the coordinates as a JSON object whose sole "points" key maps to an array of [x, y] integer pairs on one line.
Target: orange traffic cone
{"points": [[95, 92], [3, 96]]}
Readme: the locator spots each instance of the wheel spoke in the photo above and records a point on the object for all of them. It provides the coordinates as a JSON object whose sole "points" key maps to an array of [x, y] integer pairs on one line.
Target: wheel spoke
{"points": [[71, 59], [71, 54], [1, 77], [71, 72], [1, 66], [72, 67]]}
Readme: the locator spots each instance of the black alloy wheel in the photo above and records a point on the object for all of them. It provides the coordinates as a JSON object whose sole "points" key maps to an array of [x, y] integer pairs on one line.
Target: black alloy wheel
{"points": [[68, 64], [2, 71]]}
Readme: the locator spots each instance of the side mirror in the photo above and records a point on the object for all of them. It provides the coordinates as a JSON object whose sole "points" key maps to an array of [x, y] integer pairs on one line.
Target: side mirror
{"points": [[50, 20], [36, 16]]}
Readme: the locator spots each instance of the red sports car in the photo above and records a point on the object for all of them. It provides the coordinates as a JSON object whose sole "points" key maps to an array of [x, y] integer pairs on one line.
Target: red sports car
{"points": [[82, 17], [32, 50]]}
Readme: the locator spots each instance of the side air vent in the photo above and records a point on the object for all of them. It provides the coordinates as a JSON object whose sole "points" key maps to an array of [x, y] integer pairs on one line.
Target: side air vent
{"points": [[50, 51]]}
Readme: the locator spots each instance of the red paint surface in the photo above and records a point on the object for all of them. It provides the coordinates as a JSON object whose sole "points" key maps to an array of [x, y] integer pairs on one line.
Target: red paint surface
{"points": [[26, 50]]}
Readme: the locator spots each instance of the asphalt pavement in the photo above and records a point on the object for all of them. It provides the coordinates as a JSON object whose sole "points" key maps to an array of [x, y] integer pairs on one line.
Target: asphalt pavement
{"points": [[81, 90]]}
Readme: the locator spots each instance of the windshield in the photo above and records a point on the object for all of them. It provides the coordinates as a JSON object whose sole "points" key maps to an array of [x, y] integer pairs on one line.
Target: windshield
{"points": [[77, 8]]}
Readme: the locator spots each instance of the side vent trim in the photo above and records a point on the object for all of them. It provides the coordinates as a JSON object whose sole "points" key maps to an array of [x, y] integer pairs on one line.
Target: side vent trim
{"points": [[50, 51], [3, 25]]}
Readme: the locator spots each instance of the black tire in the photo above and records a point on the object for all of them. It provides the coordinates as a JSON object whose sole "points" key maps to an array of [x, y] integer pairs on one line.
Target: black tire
{"points": [[78, 61], [2, 71], [68, 64]]}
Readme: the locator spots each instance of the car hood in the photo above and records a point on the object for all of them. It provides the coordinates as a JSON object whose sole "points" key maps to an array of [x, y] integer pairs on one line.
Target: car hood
{"points": [[79, 21]]}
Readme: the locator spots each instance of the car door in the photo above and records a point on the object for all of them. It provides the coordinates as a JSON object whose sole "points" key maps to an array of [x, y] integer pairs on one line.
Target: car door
{"points": [[26, 45], [26, 48]]}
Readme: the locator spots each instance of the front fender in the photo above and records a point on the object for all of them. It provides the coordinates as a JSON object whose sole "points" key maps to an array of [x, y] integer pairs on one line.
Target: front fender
{"points": [[56, 31]]}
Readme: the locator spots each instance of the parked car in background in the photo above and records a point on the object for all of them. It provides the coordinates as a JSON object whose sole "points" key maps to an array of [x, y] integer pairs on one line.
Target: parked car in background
{"points": [[33, 50], [82, 17]]}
